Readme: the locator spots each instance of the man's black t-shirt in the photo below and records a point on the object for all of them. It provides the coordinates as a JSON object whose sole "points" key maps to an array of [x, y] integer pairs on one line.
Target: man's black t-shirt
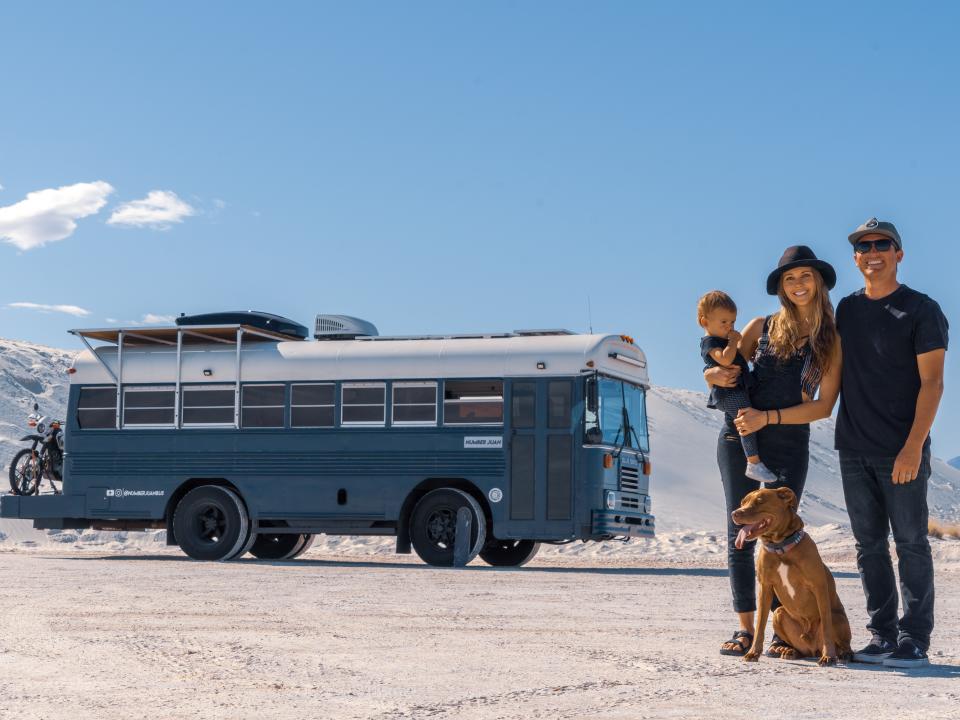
{"points": [[880, 381]]}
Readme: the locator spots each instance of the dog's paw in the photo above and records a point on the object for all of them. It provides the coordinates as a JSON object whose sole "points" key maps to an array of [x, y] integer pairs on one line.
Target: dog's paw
{"points": [[790, 654], [751, 657], [827, 660]]}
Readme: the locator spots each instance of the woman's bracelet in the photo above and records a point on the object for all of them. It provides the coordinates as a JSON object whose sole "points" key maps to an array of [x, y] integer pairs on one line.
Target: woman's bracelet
{"points": [[779, 419], [767, 414]]}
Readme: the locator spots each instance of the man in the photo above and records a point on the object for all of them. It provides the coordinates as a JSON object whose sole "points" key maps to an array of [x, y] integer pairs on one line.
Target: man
{"points": [[894, 340]]}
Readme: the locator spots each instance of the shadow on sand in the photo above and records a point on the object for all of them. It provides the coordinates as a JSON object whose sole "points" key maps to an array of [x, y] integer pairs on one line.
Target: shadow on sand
{"points": [[417, 567]]}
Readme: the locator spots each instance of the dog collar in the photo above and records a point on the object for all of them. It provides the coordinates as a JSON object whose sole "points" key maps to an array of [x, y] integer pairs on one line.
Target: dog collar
{"points": [[782, 548]]}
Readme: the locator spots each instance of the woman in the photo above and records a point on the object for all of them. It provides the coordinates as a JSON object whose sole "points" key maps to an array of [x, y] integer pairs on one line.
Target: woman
{"points": [[794, 351]]}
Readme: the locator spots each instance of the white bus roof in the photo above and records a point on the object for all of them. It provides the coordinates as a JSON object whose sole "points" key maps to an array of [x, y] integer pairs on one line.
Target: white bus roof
{"points": [[148, 358]]}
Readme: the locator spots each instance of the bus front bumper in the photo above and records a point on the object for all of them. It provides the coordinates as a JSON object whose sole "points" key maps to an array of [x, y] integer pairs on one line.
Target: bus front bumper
{"points": [[623, 523]]}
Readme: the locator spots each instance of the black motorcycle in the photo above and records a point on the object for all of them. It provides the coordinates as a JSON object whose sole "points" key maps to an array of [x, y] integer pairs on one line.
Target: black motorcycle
{"points": [[43, 460]]}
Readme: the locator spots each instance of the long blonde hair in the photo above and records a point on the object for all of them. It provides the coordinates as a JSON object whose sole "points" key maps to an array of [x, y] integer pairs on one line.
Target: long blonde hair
{"points": [[786, 333]]}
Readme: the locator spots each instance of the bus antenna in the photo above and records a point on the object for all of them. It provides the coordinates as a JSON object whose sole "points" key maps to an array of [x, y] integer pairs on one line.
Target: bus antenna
{"points": [[589, 315]]}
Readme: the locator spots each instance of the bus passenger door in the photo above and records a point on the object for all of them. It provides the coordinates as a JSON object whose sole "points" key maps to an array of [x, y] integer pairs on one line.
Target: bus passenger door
{"points": [[541, 458]]}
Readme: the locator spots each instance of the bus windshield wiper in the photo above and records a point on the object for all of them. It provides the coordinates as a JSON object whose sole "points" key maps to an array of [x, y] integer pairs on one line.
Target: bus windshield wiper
{"points": [[624, 423]]}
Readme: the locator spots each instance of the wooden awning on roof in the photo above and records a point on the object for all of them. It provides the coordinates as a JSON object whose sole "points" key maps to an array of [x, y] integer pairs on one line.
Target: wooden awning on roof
{"points": [[192, 335]]}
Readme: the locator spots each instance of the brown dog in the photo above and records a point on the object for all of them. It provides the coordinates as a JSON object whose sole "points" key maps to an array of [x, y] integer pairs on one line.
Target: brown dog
{"points": [[811, 618]]}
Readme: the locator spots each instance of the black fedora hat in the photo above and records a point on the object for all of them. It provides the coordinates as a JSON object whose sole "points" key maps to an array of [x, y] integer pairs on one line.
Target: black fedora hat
{"points": [[800, 256]]}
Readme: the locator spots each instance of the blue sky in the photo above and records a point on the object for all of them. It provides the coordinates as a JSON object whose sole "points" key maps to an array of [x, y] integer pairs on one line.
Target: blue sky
{"points": [[440, 167]]}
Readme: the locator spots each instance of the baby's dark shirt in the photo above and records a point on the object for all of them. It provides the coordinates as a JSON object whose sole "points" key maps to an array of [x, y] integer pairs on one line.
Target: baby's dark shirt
{"points": [[712, 342]]}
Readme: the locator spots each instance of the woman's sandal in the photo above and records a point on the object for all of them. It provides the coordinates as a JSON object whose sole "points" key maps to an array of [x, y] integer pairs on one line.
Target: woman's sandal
{"points": [[736, 640], [778, 646]]}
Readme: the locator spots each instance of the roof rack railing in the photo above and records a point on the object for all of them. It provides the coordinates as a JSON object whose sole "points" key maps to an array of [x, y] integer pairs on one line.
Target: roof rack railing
{"points": [[173, 337]]}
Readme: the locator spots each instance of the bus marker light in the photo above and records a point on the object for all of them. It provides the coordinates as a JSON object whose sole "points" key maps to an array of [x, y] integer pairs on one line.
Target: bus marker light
{"points": [[646, 467], [608, 461], [589, 363], [71, 371], [541, 365]]}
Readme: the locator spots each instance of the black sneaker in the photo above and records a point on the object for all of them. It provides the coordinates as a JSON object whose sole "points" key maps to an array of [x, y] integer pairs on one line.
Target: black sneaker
{"points": [[907, 655], [876, 652]]}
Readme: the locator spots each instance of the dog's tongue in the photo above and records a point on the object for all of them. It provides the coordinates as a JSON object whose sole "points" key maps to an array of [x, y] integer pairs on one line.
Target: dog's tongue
{"points": [[744, 533]]}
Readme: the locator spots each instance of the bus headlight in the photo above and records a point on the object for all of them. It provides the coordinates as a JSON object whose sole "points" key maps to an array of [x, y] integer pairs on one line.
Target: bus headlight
{"points": [[611, 500], [647, 504]]}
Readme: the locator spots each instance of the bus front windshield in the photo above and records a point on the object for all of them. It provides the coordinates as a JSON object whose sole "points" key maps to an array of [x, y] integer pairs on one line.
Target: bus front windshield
{"points": [[616, 414]]}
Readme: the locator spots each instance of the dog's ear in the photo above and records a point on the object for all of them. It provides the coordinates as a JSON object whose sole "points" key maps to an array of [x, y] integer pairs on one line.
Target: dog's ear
{"points": [[787, 495]]}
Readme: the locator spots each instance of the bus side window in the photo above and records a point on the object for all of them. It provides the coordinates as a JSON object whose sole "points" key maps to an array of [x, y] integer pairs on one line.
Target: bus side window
{"points": [[414, 403], [262, 406], [363, 403], [97, 408], [311, 405], [149, 406], [473, 402], [205, 405]]}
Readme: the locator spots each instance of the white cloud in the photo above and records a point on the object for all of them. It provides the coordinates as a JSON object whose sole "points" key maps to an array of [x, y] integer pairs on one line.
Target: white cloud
{"points": [[47, 215], [68, 309], [147, 319], [158, 210], [151, 319]]}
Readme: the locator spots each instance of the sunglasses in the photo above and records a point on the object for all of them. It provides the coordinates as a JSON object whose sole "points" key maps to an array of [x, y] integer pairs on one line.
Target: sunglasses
{"points": [[865, 246]]}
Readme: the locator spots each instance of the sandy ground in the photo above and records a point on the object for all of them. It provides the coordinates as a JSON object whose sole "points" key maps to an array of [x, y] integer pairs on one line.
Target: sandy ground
{"points": [[150, 634]]}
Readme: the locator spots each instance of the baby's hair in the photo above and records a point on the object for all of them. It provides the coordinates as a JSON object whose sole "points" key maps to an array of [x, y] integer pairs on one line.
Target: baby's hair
{"points": [[715, 300]]}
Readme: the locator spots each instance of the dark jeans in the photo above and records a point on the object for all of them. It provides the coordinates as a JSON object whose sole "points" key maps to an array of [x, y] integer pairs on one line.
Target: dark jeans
{"points": [[785, 449], [876, 505]]}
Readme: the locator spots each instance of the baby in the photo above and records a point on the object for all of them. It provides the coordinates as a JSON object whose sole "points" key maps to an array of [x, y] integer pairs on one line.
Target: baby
{"points": [[717, 314]]}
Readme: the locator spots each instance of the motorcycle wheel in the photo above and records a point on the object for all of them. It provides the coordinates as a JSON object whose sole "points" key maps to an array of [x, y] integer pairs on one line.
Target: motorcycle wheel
{"points": [[25, 473]]}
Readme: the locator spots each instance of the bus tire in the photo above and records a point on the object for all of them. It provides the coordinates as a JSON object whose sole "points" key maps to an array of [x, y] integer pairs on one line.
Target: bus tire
{"points": [[509, 553], [307, 543], [277, 546], [211, 523], [433, 525], [251, 539]]}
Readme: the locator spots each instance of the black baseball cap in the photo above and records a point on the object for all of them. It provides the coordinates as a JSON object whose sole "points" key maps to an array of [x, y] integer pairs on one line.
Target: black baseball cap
{"points": [[877, 227]]}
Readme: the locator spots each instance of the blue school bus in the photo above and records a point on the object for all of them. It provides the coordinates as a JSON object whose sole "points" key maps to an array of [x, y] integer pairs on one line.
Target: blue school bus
{"points": [[238, 434]]}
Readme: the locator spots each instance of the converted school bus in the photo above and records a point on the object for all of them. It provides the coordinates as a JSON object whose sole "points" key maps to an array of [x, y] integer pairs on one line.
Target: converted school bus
{"points": [[237, 434]]}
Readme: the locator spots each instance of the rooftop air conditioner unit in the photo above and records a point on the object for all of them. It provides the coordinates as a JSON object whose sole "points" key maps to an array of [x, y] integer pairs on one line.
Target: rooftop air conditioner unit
{"points": [[343, 327]]}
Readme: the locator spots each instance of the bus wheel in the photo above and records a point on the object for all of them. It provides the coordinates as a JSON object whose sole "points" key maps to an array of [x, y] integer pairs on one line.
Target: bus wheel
{"points": [[277, 547], [245, 548], [307, 542], [509, 553], [211, 523], [433, 526]]}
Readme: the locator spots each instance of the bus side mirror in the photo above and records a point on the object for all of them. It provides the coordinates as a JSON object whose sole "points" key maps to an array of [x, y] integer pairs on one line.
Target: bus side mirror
{"points": [[592, 396]]}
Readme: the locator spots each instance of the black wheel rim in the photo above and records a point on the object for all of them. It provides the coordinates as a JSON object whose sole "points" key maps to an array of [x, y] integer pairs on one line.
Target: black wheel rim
{"points": [[442, 527], [210, 524]]}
